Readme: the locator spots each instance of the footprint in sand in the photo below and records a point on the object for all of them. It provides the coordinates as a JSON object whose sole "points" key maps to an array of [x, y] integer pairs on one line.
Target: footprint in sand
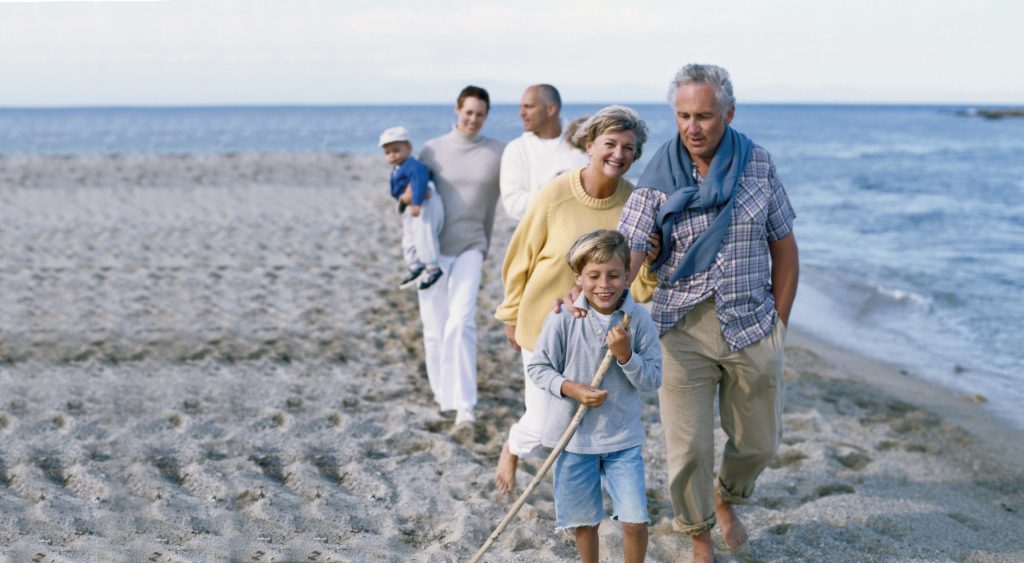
{"points": [[418, 532], [773, 503], [166, 462], [789, 459], [522, 539], [886, 445], [435, 426], [965, 520], [854, 460], [463, 433], [270, 465], [915, 421], [75, 407], [369, 483], [406, 444], [5, 478], [49, 463], [830, 490], [327, 464]]}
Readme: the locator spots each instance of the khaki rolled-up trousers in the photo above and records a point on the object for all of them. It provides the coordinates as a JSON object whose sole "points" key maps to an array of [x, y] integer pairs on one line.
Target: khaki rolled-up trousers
{"points": [[697, 361]]}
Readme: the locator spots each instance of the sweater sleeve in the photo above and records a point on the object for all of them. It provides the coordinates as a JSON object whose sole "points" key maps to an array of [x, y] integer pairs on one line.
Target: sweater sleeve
{"points": [[521, 257], [548, 363], [515, 186], [644, 285], [643, 369]]}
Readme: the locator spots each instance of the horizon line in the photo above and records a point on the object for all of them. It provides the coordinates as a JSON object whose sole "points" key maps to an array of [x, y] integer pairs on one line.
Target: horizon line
{"points": [[493, 104]]}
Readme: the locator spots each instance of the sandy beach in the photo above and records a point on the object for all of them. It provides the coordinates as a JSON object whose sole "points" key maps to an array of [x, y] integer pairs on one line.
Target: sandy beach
{"points": [[207, 358]]}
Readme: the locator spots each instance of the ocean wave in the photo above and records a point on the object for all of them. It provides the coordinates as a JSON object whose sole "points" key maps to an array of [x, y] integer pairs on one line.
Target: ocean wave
{"points": [[850, 291], [897, 295]]}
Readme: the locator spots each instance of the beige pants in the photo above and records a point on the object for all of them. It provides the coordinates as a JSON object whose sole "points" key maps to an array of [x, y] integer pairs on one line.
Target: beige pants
{"points": [[697, 360]]}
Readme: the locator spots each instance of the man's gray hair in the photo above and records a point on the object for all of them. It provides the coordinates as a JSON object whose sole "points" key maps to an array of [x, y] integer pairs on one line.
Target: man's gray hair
{"points": [[612, 119], [713, 75], [549, 95]]}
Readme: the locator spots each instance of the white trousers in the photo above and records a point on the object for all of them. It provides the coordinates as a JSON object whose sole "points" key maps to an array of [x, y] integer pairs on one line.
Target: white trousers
{"points": [[419, 234], [525, 435], [448, 313]]}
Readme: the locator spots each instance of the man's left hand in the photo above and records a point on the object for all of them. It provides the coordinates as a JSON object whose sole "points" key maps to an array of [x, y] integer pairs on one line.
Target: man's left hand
{"points": [[655, 249]]}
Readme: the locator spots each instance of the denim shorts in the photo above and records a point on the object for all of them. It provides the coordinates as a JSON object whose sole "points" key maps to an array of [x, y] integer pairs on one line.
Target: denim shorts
{"points": [[578, 479]]}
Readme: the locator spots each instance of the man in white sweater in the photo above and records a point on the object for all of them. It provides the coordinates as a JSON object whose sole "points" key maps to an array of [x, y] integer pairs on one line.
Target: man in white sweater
{"points": [[538, 155]]}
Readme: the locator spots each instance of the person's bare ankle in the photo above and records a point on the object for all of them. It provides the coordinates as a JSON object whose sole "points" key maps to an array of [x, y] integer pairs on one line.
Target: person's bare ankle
{"points": [[703, 549], [733, 530], [505, 475]]}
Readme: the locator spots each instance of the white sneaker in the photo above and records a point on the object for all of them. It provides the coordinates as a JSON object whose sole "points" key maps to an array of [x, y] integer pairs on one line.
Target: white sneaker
{"points": [[464, 416]]}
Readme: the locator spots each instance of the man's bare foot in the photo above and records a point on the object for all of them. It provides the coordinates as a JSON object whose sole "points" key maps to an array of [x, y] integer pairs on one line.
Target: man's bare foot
{"points": [[733, 531], [505, 476], [703, 549]]}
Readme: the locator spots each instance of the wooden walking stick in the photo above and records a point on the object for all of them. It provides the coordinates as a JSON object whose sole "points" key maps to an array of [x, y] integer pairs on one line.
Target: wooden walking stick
{"points": [[562, 442]]}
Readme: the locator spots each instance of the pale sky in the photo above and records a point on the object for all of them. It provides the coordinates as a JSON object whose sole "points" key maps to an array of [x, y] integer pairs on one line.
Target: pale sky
{"points": [[403, 51]]}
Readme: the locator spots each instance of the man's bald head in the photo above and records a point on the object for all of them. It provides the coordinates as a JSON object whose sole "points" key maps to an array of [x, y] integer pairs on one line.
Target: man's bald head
{"points": [[540, 109]]}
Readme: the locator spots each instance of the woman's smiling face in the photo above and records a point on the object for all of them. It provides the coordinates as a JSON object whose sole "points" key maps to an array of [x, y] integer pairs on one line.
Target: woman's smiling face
{"points": [[612, 153], [471, 115]]}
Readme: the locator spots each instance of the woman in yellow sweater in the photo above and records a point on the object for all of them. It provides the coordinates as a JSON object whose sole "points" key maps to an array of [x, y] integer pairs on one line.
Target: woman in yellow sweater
{"points": [[535, 271]]}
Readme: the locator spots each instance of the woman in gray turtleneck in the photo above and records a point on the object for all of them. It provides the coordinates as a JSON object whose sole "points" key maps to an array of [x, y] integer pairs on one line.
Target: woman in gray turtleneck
{"points": [[465, 168]]}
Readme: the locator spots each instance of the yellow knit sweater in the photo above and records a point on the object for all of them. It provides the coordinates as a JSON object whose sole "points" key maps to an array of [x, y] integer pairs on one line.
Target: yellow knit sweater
{"points": [[535, 271]]}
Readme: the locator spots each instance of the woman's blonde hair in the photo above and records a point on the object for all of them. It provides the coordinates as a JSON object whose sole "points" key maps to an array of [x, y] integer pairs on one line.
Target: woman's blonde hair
{"points": [[611, 119], [598, 246]]}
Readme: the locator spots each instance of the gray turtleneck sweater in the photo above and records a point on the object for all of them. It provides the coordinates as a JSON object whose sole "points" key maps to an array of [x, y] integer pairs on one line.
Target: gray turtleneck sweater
{"points": [[466, 173]]}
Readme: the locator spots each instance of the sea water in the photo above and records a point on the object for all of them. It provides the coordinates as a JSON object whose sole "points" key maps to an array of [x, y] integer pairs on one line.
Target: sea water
{"points": [[910, 218]]}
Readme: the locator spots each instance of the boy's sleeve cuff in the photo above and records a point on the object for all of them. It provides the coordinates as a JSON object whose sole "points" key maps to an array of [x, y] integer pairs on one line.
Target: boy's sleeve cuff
{"points": [[634, 364], [555, 387]]}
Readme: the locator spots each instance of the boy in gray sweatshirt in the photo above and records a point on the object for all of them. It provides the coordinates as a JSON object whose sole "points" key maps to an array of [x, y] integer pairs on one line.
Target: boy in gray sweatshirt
{"points": [[607, 445]]}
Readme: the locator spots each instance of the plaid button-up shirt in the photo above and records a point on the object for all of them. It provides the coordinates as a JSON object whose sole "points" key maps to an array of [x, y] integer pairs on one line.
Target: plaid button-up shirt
{"points": [[740, 278]]}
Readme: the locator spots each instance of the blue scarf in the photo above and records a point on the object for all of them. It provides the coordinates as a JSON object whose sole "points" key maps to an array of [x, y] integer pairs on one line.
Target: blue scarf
{"points": [[670, 171]]}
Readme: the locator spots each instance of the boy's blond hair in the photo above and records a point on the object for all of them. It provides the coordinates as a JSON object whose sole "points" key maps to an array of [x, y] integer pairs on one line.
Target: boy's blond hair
{"points": [[598, 246]]}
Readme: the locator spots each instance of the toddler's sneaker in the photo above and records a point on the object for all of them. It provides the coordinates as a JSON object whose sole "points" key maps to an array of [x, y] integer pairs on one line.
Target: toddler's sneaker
{"points": [[431, 279], [410, 279]]}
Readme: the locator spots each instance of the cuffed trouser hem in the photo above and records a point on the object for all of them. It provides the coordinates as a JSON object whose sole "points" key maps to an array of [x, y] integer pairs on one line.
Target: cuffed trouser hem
{"points": [[728, 496], [693, 529]]}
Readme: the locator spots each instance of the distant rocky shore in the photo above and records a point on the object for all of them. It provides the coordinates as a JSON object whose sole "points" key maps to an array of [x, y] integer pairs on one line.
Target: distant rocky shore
{"points": [[994, 113]]}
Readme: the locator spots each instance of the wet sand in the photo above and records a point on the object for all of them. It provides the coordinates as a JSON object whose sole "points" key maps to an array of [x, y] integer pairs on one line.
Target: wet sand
{"points": [[207, 358]]}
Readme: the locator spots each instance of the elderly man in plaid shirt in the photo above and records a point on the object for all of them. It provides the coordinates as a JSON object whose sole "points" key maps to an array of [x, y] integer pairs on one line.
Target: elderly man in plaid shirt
{"points": [[727, 277]]}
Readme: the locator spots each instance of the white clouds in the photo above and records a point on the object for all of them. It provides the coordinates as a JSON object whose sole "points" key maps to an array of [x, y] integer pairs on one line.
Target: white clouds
{"points": [[401, 51]]}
